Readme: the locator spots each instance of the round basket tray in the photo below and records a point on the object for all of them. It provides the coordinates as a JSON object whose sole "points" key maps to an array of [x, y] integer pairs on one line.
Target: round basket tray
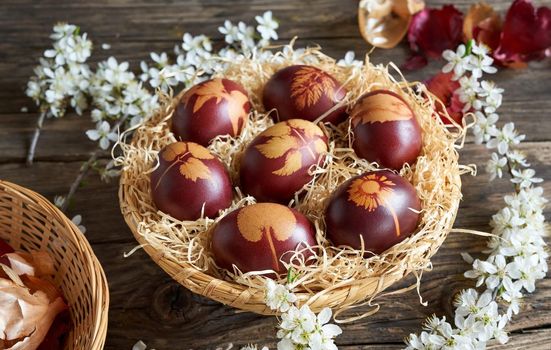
{"points": [[28, 222], [341, 277]]}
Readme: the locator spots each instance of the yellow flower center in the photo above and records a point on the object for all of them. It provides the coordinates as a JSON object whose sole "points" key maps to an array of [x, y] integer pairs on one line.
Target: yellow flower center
{"points": [[371, 187]]}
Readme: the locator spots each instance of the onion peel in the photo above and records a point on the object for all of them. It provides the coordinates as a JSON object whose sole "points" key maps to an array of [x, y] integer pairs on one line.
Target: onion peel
{"points": [[384, 23]]}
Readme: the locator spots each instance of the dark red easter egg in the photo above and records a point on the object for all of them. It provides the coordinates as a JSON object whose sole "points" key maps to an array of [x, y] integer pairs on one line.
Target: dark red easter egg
{"points": [[209, 109], [304, 92], [385, 130], [258, 236], [276, 164], [376, 206], [189, 177]]}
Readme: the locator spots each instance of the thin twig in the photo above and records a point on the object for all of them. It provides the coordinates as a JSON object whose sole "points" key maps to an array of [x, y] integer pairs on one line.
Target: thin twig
{"points": [[85, 168], [36, 135], [510, 169]]}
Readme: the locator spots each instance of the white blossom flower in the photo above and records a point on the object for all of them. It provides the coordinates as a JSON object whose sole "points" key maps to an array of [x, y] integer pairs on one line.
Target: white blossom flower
{"points": [[468, 92], [480, 62], [267, 26], [77, 220], [116, 74], [525, 269], [490, 90], [245, 35], [103, 134], [525, 178], [140, 345], [517, 158], [301, 328], [424, 341], [499, 333], [160, 59], [253, 347], [59, 201], [457, 61], [479, 49], [230, 31], [197, 46], [504, 138], [495, 166], [109, 171], [512, 295], [322, 339], [505, 219], [61, 30], [278, 297], [349, 60]]}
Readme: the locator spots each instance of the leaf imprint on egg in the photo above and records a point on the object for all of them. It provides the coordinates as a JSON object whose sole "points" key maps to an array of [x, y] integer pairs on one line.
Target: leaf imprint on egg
{"points": [[215, 89], [381, 107], [190, 156], [267, 220], [289, 139], [308, 85]]}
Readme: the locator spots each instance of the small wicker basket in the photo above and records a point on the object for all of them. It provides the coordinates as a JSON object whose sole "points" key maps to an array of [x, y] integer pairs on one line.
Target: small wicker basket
{"points": [[340, 278], [28, 221]]}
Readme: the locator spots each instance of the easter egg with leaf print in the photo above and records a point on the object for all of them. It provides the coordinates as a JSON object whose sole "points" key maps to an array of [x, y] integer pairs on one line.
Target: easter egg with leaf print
{"points": [[277, 163], [385, 129], [209, 109], [304, 92], [189, 180], [379, 207], [259, 236]]}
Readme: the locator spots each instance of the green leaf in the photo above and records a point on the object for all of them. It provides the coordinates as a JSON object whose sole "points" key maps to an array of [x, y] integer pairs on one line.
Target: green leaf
{"points": [[291, 275], [469, 48]]}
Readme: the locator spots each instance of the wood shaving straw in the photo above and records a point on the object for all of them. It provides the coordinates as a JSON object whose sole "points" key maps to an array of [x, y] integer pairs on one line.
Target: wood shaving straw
{"points": [[337, 278]]}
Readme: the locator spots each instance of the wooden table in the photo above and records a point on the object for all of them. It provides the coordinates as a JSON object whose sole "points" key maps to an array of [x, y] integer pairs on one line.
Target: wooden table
{"points": [[145, 303]]}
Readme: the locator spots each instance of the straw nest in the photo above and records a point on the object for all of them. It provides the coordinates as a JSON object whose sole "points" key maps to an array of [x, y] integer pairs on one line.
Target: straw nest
{"points": [[338, 278]]}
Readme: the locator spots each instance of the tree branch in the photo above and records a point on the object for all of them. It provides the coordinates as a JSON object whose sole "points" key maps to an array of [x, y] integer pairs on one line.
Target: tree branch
{"points": [[86, 167]]}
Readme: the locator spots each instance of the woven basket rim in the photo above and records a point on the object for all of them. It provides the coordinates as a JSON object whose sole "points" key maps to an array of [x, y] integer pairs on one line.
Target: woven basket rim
{"points": [[96, 273]]}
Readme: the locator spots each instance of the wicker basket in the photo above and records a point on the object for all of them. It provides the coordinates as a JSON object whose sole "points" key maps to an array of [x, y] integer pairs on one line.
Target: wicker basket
{"points": [[28, 221], [436, 177]]}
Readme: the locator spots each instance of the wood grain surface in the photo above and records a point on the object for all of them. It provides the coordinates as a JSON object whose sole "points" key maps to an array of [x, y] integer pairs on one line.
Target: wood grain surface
{"points": [[146, 304]]}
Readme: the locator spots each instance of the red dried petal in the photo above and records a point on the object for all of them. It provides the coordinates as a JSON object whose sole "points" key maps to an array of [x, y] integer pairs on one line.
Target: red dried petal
{"points": [[414, 62], [443, 87], [434, 30], [483, 24], [526, 34], [488, 32]]}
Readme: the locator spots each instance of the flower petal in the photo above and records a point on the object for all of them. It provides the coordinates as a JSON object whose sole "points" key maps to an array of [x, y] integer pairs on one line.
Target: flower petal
{"points": [[483, 24], [324, 316], [444, 87], [434, 30], [526, 34]]}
